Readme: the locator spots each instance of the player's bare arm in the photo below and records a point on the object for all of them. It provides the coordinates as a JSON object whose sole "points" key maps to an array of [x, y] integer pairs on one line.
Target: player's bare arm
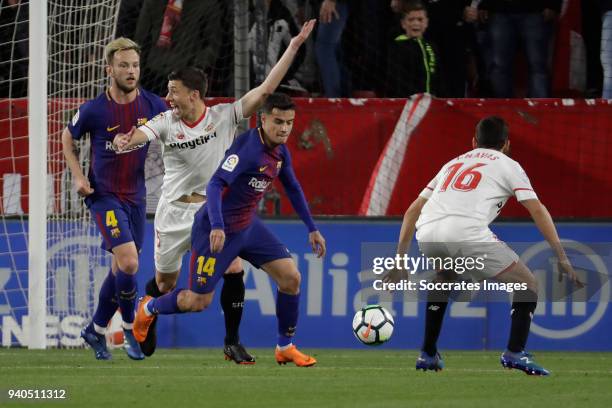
{"points": [[317, 242], [544, 222], [408, 224], [405, 238], [125, 141], [254, 99], [80, 181]]}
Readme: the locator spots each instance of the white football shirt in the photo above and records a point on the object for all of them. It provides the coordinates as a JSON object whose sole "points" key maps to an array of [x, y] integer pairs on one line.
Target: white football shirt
{"points": [[475, 185], [192, 151]]}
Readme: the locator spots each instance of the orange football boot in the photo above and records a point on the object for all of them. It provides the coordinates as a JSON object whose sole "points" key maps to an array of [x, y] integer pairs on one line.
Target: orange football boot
{"points": [[292, 354], [142, 322]]}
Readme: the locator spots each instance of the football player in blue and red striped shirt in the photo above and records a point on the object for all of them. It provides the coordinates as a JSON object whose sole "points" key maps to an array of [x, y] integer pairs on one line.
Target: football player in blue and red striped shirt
{"points": [[227, 226], [114, 189]]}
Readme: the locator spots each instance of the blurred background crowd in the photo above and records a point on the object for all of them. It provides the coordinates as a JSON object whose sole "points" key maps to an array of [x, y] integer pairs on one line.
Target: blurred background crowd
{"points": [[366, 48]]}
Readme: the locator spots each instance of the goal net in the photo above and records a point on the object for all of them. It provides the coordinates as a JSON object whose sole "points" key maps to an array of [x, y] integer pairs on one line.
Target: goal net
{"points": [[52, 60], [77, 32]]}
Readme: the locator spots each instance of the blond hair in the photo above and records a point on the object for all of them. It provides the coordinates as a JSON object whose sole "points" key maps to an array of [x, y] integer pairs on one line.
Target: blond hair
{"points": [[119, 44]]}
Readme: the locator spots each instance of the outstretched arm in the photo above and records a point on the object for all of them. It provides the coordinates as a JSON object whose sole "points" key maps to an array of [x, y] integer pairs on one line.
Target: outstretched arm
{"points": [[405, 237], [408, 225], [544, 222], [125, 141], [255, 98]]}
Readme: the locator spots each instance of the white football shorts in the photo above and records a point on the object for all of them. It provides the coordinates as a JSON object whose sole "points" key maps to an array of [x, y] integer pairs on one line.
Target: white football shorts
{"points": [[461, 237], [173, 221]]}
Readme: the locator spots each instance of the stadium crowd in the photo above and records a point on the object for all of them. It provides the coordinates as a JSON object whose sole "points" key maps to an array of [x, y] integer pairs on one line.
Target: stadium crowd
{"points": [[366, 48]]}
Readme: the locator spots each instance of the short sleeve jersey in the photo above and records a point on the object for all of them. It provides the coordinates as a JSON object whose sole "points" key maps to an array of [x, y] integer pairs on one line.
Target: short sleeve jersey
{"points": [[192, 151], [475, 185]]}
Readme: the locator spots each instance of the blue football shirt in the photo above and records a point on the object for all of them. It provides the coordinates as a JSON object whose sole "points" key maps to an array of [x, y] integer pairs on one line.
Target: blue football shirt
{"points": [[111, 173]]}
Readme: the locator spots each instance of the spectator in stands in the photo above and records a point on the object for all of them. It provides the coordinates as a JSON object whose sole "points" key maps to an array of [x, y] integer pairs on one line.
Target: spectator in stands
{"points": [[591, 25], [14, 49], [395, 28], [448, 31], [367, 53], [127, 18], [333, 15], [530, 23], [297, 8], [302, 11], [280, 28], [412, 65], [454, 37], [606, 47], [396, 6], [480, 60], [177, 33]]}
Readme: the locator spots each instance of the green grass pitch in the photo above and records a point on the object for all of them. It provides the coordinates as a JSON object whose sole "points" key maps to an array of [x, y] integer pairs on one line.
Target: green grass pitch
{"points": [[343, 378]]}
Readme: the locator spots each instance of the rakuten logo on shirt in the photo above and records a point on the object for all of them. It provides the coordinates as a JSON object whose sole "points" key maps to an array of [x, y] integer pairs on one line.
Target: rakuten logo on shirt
{"points": [[259, 185], [109, 146]]}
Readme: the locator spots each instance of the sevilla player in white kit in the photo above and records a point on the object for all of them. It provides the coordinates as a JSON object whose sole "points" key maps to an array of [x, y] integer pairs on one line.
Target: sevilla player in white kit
{"points": [[454, 212], [194, 139]]}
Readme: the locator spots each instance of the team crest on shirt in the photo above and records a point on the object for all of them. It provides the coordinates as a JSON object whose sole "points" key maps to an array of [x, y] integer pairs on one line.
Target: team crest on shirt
{"points": [[230, 163], [209, 128], [180, 136], [115, 232], [157, 117]]}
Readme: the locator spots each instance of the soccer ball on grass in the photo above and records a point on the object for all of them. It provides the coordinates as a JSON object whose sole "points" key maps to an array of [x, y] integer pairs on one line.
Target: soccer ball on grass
{"points": [[373, 325]]}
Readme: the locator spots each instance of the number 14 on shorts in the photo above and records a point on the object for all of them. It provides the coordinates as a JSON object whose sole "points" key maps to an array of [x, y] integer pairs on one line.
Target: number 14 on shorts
{"points": [[206, 268]]}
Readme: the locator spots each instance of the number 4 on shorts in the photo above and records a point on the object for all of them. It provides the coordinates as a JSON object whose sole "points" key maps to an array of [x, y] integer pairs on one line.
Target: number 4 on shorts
{"points": [[111, 220]]}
